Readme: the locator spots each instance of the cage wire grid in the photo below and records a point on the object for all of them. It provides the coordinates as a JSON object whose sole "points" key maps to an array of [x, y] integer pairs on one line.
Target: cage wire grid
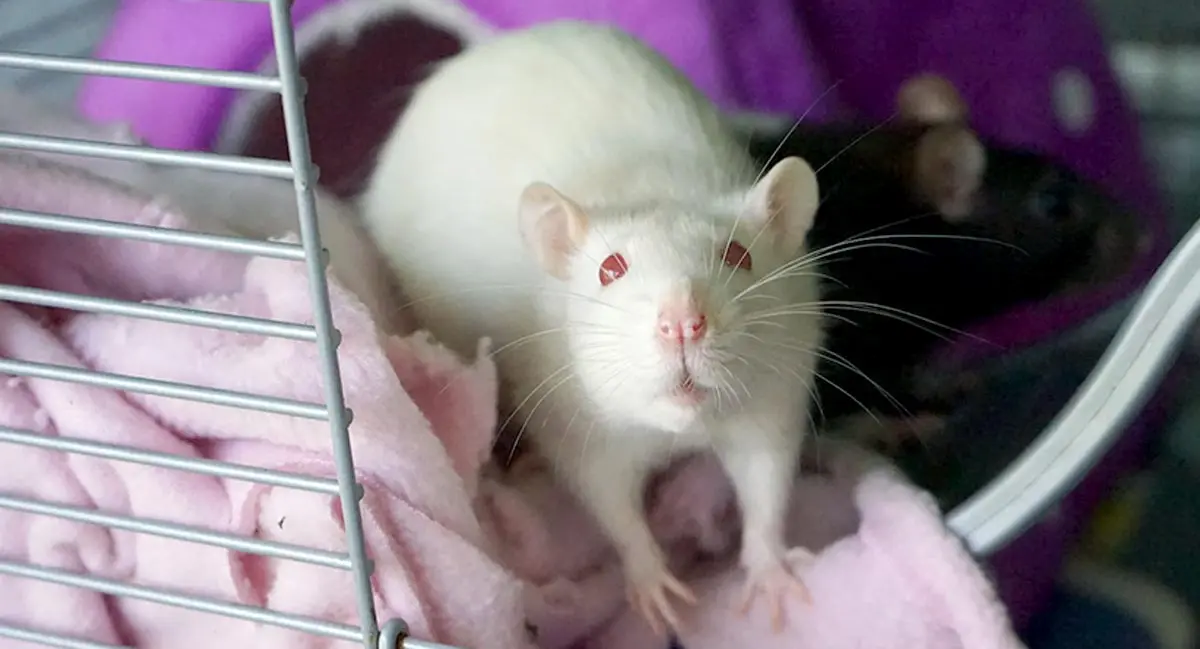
{"points": [[289, 85], [1122, 381]]}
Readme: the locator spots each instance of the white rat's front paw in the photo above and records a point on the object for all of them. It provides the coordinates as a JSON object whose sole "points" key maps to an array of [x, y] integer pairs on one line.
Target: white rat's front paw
{"points": [[648, 583], [774, 578]]}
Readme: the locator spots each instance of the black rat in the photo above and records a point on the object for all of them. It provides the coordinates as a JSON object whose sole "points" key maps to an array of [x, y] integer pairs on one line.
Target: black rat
{"points": [[950, 228]]}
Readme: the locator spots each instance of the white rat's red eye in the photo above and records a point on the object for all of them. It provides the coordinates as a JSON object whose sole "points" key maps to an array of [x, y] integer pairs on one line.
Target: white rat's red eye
{"points": [[612, 268], [736, 256]]}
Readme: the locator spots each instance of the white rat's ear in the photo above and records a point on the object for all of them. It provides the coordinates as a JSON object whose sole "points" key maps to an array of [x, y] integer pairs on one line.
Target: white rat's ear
{"points": [[930, 99], [784, 203], [552, 225], [948, 167]]}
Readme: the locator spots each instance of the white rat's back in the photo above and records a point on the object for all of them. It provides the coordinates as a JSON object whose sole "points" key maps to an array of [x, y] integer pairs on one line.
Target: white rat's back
{"points": [[583, 107]]}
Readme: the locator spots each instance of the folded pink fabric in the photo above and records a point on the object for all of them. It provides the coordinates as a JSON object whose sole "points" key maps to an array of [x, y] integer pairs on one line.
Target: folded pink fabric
{"points": [[432, 565], [887, 573]]}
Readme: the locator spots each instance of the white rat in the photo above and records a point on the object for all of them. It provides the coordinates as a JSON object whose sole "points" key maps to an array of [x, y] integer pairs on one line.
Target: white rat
{"points": [[565, 191]]}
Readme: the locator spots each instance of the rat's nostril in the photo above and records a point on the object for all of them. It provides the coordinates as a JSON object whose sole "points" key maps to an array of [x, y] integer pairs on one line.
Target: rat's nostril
{"points": [[677, 329]]}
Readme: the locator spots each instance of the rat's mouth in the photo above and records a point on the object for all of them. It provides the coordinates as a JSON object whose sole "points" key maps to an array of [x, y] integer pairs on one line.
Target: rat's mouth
{"points": [[688, 393]]}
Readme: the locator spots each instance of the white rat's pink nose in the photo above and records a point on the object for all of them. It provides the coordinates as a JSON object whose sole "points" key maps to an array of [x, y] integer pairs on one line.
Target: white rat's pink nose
{"points": [[682, 321]]}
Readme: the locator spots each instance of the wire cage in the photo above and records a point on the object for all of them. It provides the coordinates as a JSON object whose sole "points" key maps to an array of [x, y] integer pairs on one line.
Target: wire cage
{"points": [[321, 333], [1117, 387]]}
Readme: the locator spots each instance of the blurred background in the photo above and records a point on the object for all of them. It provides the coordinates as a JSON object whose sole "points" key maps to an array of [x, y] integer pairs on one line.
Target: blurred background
{"points": [[1155, 49]]}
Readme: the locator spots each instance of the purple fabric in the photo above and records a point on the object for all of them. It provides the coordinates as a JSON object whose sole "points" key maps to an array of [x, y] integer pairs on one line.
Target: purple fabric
{"points": [[198, 33], [741, 59]]}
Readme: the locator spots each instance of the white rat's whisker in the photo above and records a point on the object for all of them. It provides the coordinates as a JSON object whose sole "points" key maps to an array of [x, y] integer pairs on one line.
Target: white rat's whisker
{"points": [[841, 361], [733, 392], [566, 429], [772, 317], [606, 389], [523, 340], [898, 314], [831, 356], [536, 405], [885, 240], [833, 384], [806, 259], [771, 364], [566, 367], [814, 257], [771, 277], [750, 246], [587, 436], [860, 242], [787, 136], [491, 288], [806, 264], [855, 141], [766, 167]]}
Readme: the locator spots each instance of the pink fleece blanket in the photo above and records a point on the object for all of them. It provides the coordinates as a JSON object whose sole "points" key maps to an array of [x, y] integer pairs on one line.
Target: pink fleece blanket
{"points": [[432, 568], [887, 575], [467, 554]]}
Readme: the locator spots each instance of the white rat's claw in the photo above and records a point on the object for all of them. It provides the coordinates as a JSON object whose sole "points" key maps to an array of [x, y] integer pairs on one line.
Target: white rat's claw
{"points": [[775, 580], [648, 594]]}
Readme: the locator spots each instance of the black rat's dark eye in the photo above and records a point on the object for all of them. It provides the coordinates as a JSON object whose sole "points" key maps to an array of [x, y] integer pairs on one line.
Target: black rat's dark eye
{"points": [[1057, 201]]}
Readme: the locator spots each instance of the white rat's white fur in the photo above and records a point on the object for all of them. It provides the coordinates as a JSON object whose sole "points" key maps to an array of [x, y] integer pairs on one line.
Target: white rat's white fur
{"points": [[589, 143]]}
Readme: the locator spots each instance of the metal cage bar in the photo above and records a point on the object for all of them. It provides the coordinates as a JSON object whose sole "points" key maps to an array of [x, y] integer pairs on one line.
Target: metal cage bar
{"points": [[167, 389], [153, 458], [172, 74], [153, 234], [171, 598], [177, 315], [1122, 381], [304, 176], [136, 153]]}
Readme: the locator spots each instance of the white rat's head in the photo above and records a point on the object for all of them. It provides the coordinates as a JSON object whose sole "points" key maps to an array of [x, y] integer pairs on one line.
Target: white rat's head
{"points": [[674, 310]]}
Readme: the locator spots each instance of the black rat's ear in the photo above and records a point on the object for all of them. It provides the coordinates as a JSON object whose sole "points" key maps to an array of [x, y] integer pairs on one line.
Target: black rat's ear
{"points": [[784, 202], [930, 99], [948, 166], [552, 225]]}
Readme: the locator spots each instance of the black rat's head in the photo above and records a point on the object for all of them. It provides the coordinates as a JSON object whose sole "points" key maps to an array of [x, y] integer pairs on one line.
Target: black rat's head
{"points": [[1052, 229]]}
